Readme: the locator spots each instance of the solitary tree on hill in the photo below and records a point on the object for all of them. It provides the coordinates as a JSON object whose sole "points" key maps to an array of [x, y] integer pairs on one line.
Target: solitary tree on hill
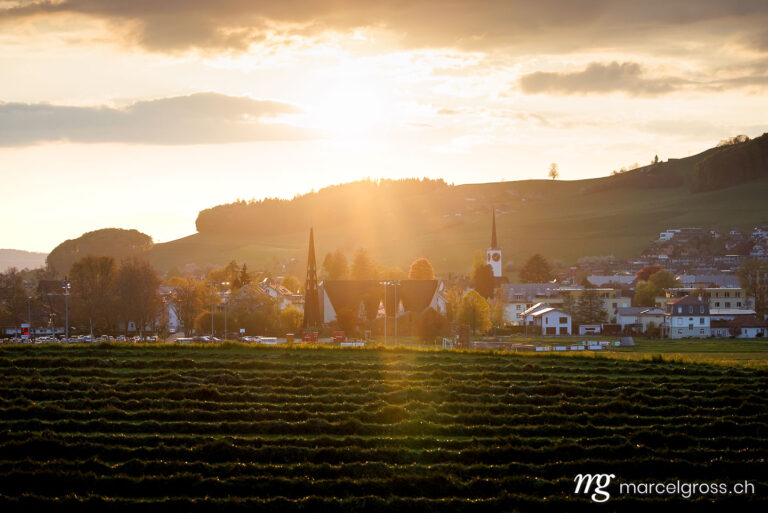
{"points": [[554, 174]]}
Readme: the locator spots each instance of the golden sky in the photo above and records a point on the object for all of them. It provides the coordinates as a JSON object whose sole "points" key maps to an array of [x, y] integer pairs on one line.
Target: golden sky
{"points": [[138, 114]]}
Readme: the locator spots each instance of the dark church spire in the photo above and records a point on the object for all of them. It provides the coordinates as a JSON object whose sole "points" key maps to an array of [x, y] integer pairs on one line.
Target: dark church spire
{"points": [[311, 294], [494, 244]]}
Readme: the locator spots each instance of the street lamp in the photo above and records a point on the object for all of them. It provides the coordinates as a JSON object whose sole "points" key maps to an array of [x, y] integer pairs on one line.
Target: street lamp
{"points": [[214, 288], [395, 284], [29, 315], [66, 286]]}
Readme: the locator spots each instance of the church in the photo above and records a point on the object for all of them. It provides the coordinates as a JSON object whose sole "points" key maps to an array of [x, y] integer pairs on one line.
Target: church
{"points": [[493, 256]]}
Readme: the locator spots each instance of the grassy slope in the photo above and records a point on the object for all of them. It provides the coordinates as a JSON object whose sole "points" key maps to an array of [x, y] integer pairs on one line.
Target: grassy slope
{"points": [[560, 220], [563, 220]]}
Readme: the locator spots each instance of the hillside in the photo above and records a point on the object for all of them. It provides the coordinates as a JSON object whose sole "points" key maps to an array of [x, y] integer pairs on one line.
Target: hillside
{"points": [[20, 259], [401, 220]]}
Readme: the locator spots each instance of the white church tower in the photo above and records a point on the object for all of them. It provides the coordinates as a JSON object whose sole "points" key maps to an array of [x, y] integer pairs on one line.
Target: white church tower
{"points": [[493, 255]]}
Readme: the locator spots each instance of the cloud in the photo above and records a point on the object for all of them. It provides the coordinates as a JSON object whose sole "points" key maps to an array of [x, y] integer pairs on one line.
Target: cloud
{"points": [[202, 118], [626, 77], [172, 25]]}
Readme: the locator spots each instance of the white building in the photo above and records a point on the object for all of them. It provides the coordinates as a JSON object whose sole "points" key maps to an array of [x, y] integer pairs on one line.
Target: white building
{"points": [[547, 320], [639, 318], [688, 317]]}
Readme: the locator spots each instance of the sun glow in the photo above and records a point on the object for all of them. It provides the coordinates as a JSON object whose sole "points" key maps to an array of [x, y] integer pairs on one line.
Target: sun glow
{"points": [[349, 110]]}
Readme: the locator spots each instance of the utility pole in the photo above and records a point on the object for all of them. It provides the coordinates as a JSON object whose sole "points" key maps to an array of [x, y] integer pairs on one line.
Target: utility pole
{"points": [[397, 307], [225, 311], [29, 315]]}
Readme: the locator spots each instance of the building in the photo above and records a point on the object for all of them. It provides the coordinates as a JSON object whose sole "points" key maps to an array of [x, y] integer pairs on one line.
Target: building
{"points": [[519, 297], [638, 319], [687, 317], [545, 319], [364, 298], [612, 299], [493, 254], [717, 297], [740, 327]]}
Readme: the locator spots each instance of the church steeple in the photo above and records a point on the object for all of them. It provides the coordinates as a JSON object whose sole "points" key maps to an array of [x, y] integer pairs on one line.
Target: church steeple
{"points": [[494, 244], [493, 255], [311, 294]]}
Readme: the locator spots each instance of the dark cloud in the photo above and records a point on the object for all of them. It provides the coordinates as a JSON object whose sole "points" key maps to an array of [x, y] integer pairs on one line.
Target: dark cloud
{"points": [[625, 77], [169, 25], [203, 118]]}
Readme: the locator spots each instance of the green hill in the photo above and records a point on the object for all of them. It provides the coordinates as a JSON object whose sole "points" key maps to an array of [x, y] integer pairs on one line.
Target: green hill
{"points": [[401, 220]]}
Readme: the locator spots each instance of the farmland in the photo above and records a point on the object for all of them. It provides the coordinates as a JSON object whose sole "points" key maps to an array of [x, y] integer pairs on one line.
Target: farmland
{"points": [[230, 427]]}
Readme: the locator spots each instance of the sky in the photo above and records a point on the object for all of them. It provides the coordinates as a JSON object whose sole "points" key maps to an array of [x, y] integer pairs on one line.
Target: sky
{"points": [[138, 114]]}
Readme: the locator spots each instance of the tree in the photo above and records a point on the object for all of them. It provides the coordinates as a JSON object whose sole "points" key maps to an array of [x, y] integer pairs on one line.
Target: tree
{"points": [[484, 281], [645, 294], [335, 266], [93, 289], [589, 308], [137, 284], [291, 319], [230, 273], [497, 312], [753, 278], [243, 279], [554, 174], [347, 320], [392, 273], [475, 312], [453, 298], [655, 160], [663, 280], [431, 324], [188, 298], [646, 272], [569, 304], [364, 267], [421, 269], [13, 296], [291, 283], [536, 270]]}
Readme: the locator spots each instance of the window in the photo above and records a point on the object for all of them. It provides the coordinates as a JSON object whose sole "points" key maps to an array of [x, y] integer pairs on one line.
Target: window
{"points": [[737, 294], [727, 304], [519, 307], [563, 320], [690, 326], [679, 332], [727, 294], [701, 309], [679, 309], [717, 304], [738, 303], [701, 320], [701, 332]]}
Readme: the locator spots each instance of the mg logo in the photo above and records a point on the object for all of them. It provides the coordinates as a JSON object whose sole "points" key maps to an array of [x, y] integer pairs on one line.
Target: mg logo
{"points": [[601, 482]]}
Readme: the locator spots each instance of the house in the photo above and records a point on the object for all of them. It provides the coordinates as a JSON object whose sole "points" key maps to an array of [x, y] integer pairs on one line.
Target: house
{"points": [[366, 298], [759, 251], [611, 298], [718, 297], [667, 235], [760, 233], [687, 317], [548, 320], [519, 297], [638, 319], [600, 280], [740, 327]]}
